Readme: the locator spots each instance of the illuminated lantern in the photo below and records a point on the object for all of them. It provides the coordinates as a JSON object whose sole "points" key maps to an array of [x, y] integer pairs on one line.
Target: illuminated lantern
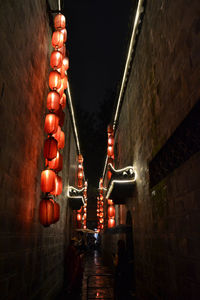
{"points": [[84, 227], [50, 148], [80, 174], [110, 140], [61, 142], [54, 80], [110, 151], [57, 40], [66, 63], [57, 134], [79, 211], [109, 175], [56, 212], [64, 32], [84, 216], [111, 211], [53, 101], [101, 215], [47, 181], [63, 51], [63, 101], [65, 82], [101, 220], [110, 202], [85, 209], [101, 209], [61, 89], [111, 223], [61, 115], [56, 59], [59, 21], [80, 159], [110, 129], [58, 186], [54, 163], [101, 197], [78, 217], [80, 183], [101, 226], [46, 212], [51, 123]]}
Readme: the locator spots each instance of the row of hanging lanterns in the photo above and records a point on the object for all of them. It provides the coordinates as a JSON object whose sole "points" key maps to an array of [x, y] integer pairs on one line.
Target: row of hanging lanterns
{"points": [[81, 216], [110, 148], [100, 209], [51, 182], [111, 214]]}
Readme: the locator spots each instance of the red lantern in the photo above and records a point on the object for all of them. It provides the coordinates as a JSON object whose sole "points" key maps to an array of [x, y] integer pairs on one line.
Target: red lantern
{"points": [[51, 123], [101, 197], [80, 183], [47, 181], [80, 159], [61, 142], [63, 50], [64, 32], [61, 89], [57, 163], [58, 186], [61, 115], [53, 101], [110, 151], [101, 220], [111, 223], [101, 215], [54, 80], [46, 212], [65, 82], [78, 217], [84, 216], [56, 59], [85, 209], [63, 101], [110, 129], [111, 211], [57, 134], [66, 63], [79, 211], [109, 175], [110, 140], [56, 212], [80, 174], [110, 202], [57, 40], [84, 227], [50, 148], [59, 21]]}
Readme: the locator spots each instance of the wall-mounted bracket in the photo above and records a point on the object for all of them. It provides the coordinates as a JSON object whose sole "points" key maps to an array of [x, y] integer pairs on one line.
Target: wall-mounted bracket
{"points": [[75, 196], [121, 183]]}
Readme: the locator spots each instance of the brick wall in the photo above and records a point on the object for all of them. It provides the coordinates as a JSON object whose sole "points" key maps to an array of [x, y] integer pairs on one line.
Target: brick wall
{"points": [[162, 88], [31, 257]]}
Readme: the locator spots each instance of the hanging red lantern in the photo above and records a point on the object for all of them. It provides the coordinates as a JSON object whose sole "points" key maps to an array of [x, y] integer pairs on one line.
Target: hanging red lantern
{"points": [[110, 150], [65, 82], [54, 80], [59, 21], [58, 186], [101, 197], [47, 181], [110, 129], [84, 227], [63, 50], [109, 175], [101, 215], [66, 63], [111, 211], [61, 115], [56, 212], [110, 140], [46, 212], [50, 148], [85, 209], [101, 220], [56, 59], [78, 217], [64, 32], [53, 101], [61, 142], [80, 159], [61, 89], [63, 101], [111, 223], [54, 163], [101, 209], [110, 202], [80, 183], [51, 123], [80, 174], [84, 216], [57, 40], [79, 211], [57, 134]]}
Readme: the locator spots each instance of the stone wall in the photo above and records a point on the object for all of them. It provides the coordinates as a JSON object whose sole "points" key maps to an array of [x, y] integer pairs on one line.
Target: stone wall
{"points": [[31, 257], [163, 87]]}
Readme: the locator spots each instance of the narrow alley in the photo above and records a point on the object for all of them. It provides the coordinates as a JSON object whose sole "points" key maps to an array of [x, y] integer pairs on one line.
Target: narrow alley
{"points": [[100, 150]]}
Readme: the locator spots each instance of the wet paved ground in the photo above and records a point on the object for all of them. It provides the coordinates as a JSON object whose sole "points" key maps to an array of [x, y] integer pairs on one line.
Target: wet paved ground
{"points": [[97, 280]]}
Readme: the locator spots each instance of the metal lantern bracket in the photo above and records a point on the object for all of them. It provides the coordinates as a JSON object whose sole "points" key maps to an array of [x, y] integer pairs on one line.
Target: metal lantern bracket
{"points": [[121, 184]]}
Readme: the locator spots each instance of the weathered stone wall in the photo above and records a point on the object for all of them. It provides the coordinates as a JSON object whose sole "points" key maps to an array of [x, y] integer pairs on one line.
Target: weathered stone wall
{"points": [[31, 257], [162, 88]]}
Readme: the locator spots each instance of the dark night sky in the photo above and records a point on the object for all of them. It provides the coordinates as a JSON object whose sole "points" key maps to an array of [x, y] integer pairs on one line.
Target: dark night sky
{"points": [[98, 40]]}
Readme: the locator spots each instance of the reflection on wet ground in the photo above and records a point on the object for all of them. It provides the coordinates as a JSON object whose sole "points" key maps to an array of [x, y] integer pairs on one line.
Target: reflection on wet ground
{"points": [[97, 280]]}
